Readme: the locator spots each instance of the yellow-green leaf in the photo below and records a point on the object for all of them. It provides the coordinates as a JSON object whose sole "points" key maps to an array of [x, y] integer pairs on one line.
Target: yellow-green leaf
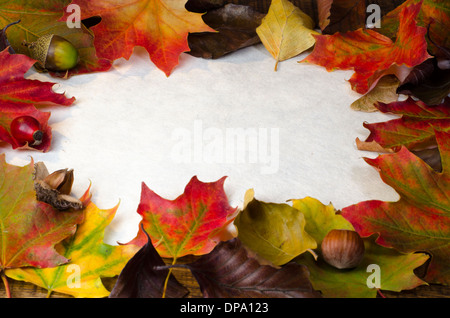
{"points": [[90, 259], [320, 218], [275, 232], [286, 31]]}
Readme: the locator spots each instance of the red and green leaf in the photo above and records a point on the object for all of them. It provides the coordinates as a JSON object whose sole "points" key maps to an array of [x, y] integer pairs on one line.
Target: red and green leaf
{"points": [[193, 223], [160, 26], [370, 54], [415, 128]]}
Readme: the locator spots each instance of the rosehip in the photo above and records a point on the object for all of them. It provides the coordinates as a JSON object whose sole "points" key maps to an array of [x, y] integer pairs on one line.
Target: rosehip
{"points": [[27, 129]]}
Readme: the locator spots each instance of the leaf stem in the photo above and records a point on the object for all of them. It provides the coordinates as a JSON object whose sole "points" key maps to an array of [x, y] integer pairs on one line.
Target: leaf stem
{"points": [[5, 282], [167, 278]]}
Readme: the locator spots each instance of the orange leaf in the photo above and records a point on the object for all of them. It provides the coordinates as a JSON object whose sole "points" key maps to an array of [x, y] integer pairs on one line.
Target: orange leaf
{"points": [[371, 54], [160, 26]]}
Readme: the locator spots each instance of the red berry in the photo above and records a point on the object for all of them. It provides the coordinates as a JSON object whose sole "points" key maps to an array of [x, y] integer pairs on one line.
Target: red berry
{"points": [[27, 129]]}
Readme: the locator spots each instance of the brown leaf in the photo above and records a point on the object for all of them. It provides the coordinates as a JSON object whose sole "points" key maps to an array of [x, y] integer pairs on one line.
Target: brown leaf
{"points": [[236, 26], [229, 272]]}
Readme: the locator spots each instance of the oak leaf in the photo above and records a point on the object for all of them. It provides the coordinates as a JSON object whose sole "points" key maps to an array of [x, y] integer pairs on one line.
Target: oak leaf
{"points": [[160, 26], [90, 259], [193, 223], [372, 55], [420, 219], [286, 31], [275, 232]]}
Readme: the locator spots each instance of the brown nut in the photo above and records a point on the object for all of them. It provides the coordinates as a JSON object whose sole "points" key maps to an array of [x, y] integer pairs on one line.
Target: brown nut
{"points": [[343, 248]]}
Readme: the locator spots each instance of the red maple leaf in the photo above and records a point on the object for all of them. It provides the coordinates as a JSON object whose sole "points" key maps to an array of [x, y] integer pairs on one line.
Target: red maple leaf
{"points": [[191, 224], [19, 96], [420, 220]]}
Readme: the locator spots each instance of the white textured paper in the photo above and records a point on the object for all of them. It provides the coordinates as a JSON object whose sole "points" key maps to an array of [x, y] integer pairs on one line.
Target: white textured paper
{"points": [[133, 124]]}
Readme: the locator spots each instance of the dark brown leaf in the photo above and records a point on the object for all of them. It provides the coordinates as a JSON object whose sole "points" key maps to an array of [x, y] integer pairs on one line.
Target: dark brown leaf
{"points": [[236, 26], [349, 15], [229, 272], [140, 278]]}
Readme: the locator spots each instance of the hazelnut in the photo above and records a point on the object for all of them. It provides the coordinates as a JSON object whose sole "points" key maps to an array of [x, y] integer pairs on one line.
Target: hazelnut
{"points": [[342, 248]]}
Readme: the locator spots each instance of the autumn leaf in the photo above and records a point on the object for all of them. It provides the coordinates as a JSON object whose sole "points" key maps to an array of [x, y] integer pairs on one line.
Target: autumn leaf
{"points": [[142, 277], [396, 273], [370, 54], [193, 223], [160, 26], [276, 232], [420, 219], [236, 28], [434, 14], [18, 96], [415, 128], [41, 17], [286, 31], [396, 268], [228, 272], [30, 229], [90, 259], [349, 15], [385, 92]]}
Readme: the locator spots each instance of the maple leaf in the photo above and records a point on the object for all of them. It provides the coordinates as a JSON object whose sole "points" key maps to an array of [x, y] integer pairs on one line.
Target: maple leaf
{"points": [[420, 219], [193, 223], [90, 259], [415, 128], [29, 229], [228, 272], [19, 95], [286, 31], [160, 26], [41, 17], [370, 54], [434, 14], [273, 231], [396, 268]]}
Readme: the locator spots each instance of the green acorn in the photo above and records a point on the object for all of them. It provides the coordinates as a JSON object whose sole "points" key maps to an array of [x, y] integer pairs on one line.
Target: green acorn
{"points": [[54, 53]]}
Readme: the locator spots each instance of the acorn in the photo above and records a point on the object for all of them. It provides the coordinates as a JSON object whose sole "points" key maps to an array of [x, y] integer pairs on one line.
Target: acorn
{"points": [[342, 249], [27, 129], [54, 53]]}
